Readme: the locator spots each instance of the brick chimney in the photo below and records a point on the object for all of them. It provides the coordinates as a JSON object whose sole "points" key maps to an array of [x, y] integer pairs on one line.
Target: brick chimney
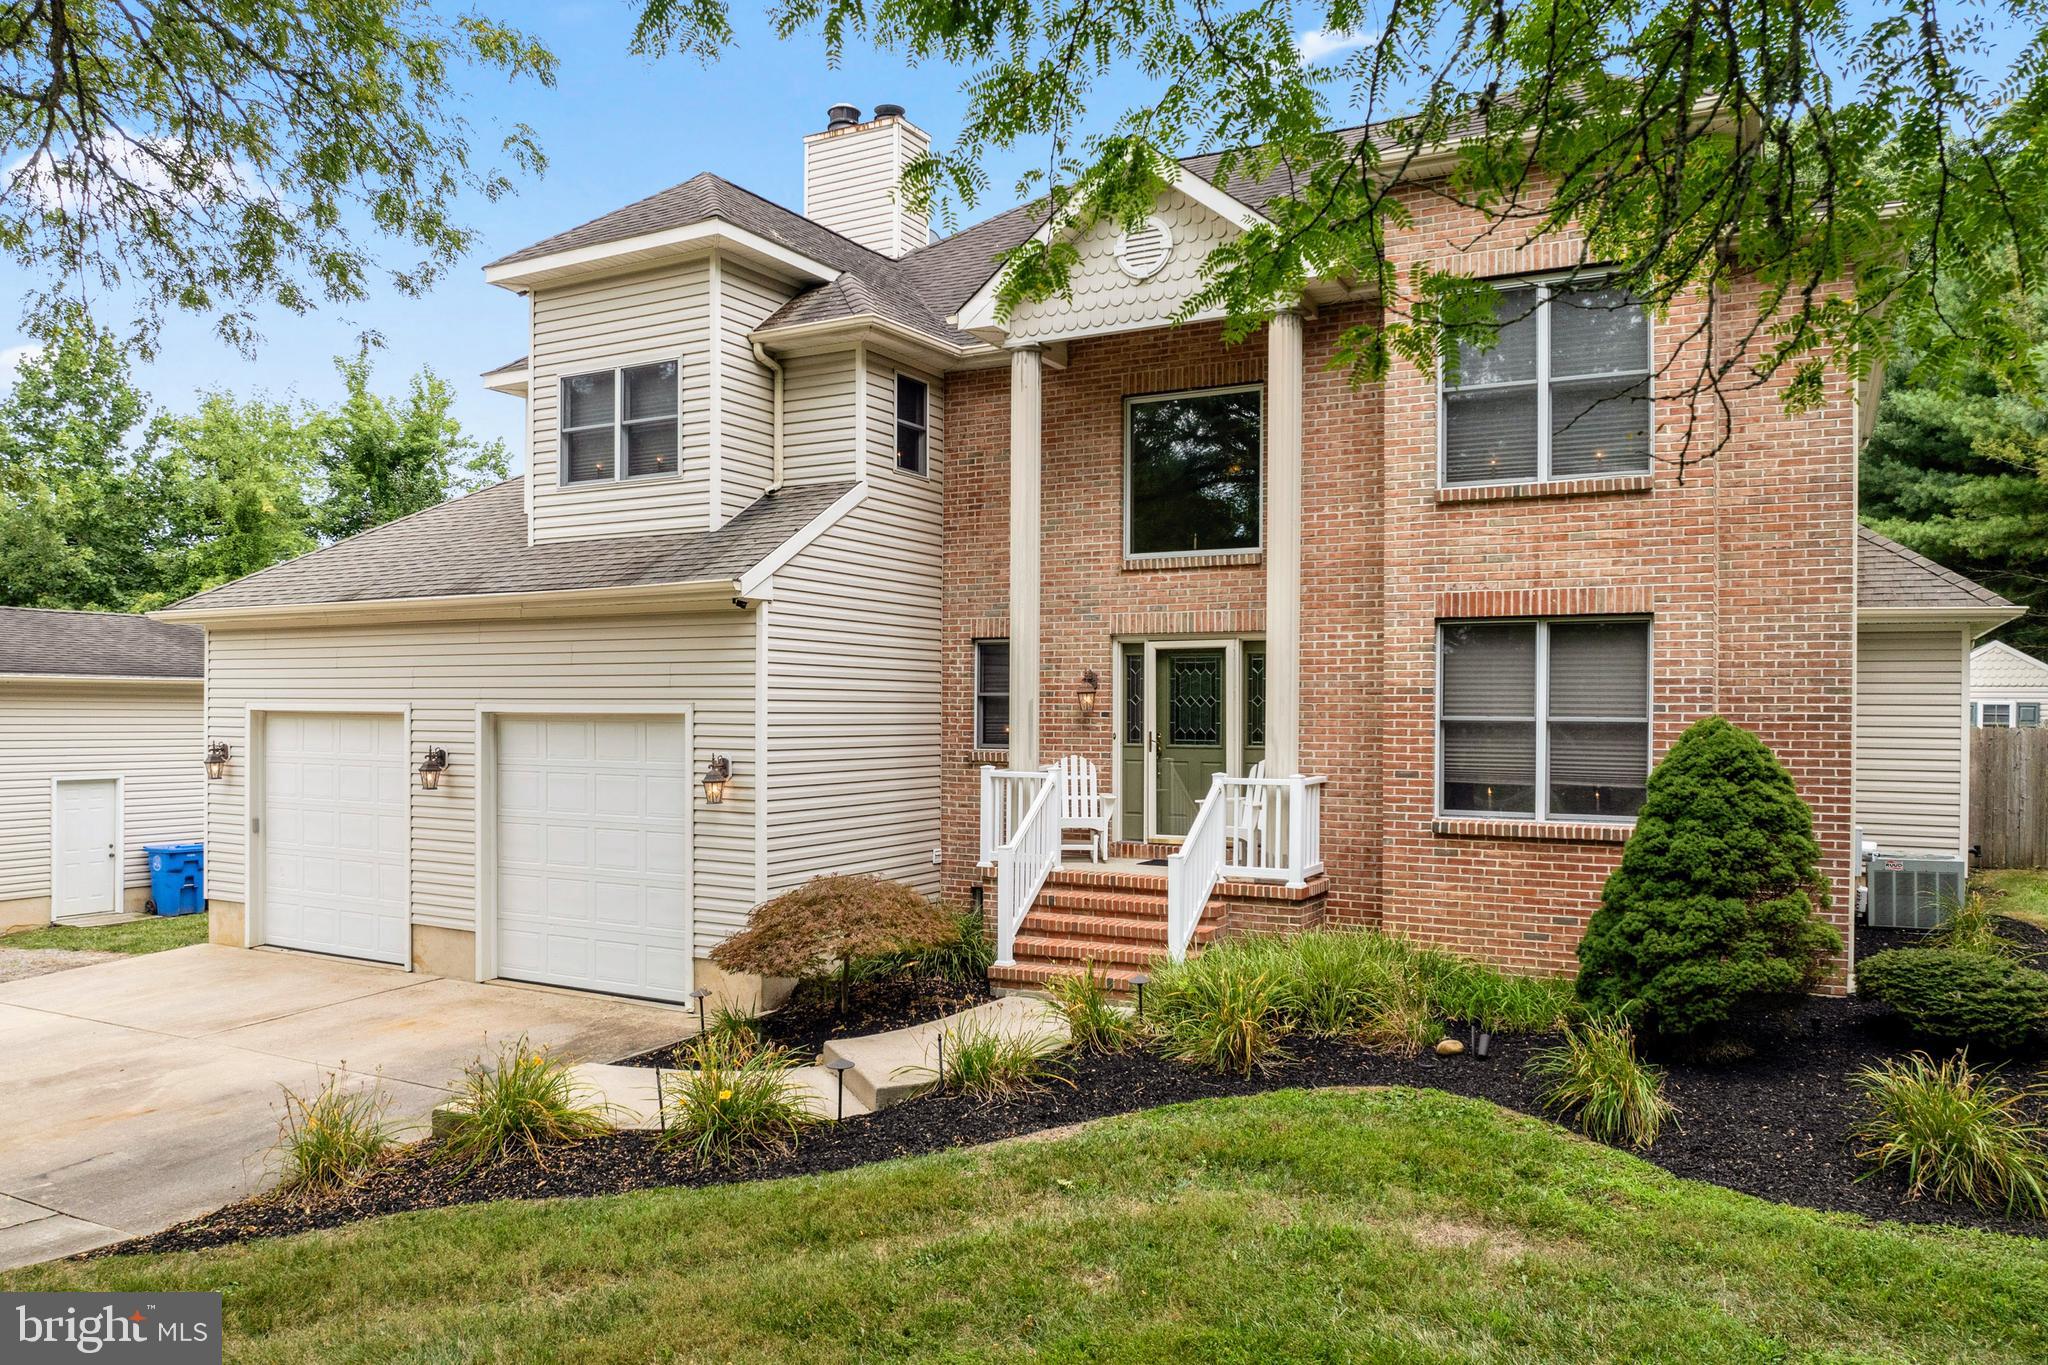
{"points": [[851, 171]]}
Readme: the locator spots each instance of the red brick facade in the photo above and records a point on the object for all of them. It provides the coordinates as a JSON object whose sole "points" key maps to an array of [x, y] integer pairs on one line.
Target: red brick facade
{"points": [[1746, 570]]}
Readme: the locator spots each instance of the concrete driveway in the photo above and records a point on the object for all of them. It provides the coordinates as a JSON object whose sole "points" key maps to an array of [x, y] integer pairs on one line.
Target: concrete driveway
{"points": [[138, 1093]]}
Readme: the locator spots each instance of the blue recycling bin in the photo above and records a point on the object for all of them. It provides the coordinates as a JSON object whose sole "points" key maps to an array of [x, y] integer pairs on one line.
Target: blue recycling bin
{"points": [[177, 878]]}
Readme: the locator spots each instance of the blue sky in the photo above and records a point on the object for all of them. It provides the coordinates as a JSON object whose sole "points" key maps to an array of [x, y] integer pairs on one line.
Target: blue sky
{"points": [[616, 128]]}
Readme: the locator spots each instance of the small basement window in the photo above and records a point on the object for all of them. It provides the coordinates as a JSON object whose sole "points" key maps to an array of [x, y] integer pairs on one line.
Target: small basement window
{"points": [[913, 405], [621, 424]]}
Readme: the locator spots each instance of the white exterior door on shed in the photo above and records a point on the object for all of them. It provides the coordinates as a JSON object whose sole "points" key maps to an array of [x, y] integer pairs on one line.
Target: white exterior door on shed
{"points": [[85, 843], [334, 835], [591, 848]]}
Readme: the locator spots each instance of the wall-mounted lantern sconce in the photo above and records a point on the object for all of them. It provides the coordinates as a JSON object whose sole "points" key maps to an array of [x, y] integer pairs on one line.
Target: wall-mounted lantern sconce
{"points": [[1089, 692], [216, 761], [431, 768], [717, 777]]}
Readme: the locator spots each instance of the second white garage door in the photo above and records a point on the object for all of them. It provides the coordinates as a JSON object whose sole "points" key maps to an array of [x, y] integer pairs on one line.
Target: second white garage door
{"points": [[334, 834], [593, 863]]}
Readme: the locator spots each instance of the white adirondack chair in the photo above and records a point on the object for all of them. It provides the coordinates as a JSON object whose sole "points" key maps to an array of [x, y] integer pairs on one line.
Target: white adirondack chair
{"points": [[1084, 806], [1244, 823]]}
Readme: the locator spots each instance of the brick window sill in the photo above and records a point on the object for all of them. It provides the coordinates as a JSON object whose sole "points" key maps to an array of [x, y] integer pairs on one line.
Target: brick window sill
{"points": [[1552, 831], [994, 758], [1556, 488], [1222, 561]]}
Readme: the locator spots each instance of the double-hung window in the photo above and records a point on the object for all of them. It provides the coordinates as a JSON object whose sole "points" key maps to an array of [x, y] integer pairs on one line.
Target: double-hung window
{"points": [[621, 424], [1191, 472], [913, 405], [1543, 720], [991, 694], [1563, 394]]}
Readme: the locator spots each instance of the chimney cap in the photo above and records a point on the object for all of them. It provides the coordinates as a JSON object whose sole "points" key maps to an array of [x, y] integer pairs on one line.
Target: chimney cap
{"points": [[841, 116], [888, 111]]}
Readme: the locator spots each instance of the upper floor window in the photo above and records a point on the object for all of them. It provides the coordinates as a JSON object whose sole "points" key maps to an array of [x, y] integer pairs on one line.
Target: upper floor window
{"points": [[1191, 472], [1544, 720], [991, 694], [1565, 394], [913, 404], [621, 424]]}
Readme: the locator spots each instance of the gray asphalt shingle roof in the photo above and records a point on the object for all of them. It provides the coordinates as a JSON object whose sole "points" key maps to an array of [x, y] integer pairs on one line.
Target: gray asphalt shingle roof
{"points": [[97, 644], [1891, 577], [476, 546]]}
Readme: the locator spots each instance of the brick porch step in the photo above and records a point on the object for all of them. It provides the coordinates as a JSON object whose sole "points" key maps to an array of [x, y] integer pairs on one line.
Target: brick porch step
{"points": [[1112, 919], [1032, 976]]}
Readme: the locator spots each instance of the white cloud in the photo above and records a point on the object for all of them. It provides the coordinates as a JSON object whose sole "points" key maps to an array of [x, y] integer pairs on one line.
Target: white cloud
{"points": [[1319, 43], [11, 359], [141, 161]]}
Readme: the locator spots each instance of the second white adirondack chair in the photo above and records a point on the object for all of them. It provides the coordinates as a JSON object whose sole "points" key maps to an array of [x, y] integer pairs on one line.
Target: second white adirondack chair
{"points": [[1244, 825], [1084, 806]]}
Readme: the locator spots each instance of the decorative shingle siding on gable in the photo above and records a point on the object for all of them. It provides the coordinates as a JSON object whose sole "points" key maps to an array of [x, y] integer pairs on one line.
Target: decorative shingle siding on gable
{"points": [[1105, 298]]}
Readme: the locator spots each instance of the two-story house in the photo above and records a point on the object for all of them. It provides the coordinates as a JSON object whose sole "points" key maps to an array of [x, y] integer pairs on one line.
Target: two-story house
{"points": [[819, 564]]}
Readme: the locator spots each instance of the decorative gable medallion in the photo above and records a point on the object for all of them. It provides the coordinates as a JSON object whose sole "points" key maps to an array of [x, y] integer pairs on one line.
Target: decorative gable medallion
{"points": [[1142, 251]]}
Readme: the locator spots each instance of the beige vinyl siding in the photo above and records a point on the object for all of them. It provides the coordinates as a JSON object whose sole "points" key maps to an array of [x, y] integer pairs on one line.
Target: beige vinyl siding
{"points": [[600, 325], [854, 667], [817, 418], [747, 411], [148, 734], [445, 671], [1910, 756], [851, 178]]}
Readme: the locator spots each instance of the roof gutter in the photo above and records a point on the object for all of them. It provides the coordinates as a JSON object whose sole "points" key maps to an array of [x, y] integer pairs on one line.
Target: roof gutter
{"points": [[1985, 619], [865, 327], [628, 600], [775, 367], [188, 679]]}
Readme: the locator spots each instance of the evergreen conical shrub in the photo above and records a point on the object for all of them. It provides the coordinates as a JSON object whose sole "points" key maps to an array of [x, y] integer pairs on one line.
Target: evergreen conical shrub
{"points": [[1716, 905]]}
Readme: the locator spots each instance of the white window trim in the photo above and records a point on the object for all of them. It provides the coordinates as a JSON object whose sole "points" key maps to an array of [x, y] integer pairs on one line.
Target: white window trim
{"points": [[2012, 705], [924, 428], [1258, 522], [979, 695], [618, 426], [1543, 287], [1543, 719]]}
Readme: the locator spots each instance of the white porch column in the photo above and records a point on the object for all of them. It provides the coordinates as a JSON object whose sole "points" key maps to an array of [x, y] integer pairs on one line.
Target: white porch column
{"points": [[1026, 383], [1283, 544]]}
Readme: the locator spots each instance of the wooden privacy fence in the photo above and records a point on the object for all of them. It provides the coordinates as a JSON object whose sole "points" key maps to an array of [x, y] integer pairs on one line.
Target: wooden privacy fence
{"points": [[2009, 797]]}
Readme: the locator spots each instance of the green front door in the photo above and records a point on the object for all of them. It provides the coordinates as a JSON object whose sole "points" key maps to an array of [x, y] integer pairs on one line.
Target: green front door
{"points": [[1192, 743]]}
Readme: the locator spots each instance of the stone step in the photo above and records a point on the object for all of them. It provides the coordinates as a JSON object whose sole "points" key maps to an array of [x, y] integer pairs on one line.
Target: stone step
{"points": [[889, 1068]]}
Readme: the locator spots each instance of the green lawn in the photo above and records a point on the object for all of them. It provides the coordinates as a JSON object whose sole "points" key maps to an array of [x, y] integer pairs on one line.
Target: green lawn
{"points": [[1390, 1225], [2021, 892], [151, 935]]}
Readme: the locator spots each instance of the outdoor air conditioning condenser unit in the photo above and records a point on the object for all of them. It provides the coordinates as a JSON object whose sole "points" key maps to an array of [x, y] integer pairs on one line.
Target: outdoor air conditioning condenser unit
{"points": [[1914, 890]]}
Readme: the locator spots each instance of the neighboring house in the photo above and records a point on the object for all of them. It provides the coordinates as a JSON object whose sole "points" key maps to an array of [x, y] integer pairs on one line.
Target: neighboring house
{"points": [[2007, 686], [100, 753], [809, 528]]}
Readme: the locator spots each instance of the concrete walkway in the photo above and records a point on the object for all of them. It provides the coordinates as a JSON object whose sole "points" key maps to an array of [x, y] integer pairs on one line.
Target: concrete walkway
{"points": [[141, 1092]]}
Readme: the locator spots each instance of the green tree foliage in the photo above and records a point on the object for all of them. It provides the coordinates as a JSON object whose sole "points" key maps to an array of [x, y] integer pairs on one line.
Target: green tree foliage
{"points": [[1960, 473], [1842, 161], [79, 515], [214, 156], [382, 460], [239, 484], [1715, 907]]}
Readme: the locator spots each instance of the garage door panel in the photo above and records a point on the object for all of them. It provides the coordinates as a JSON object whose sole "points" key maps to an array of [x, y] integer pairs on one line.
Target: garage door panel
{"points": [[591, 860], [335, 835]]}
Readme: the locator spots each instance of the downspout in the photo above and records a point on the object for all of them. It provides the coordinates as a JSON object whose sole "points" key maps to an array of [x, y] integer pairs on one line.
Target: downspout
{"points": [[774, 367]]}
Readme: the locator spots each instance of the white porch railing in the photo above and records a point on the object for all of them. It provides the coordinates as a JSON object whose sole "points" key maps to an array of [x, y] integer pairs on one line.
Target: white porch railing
{"points": [[1266, 829], [1029, 851]]}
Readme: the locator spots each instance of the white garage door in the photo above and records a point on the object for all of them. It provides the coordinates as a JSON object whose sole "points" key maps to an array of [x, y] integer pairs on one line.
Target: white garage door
{"points": [[593, 875], [334, 834]]}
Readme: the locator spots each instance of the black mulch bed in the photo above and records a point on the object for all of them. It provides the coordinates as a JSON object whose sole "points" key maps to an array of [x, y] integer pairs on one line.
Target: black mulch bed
{"points": [[1774, 1123], [810, 1018]]}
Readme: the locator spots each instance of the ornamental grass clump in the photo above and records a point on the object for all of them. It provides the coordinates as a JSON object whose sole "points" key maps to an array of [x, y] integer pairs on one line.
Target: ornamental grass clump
{"points": [[735, 1032], [988, 1062], [1595, 1079], [1096, 1022], [1958, 996], [329, 1142], [527, 1100], [1225, 1010], [1958, 1134], [738, 1103], [1716, 906], [1971, 927], [830, 924]]}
